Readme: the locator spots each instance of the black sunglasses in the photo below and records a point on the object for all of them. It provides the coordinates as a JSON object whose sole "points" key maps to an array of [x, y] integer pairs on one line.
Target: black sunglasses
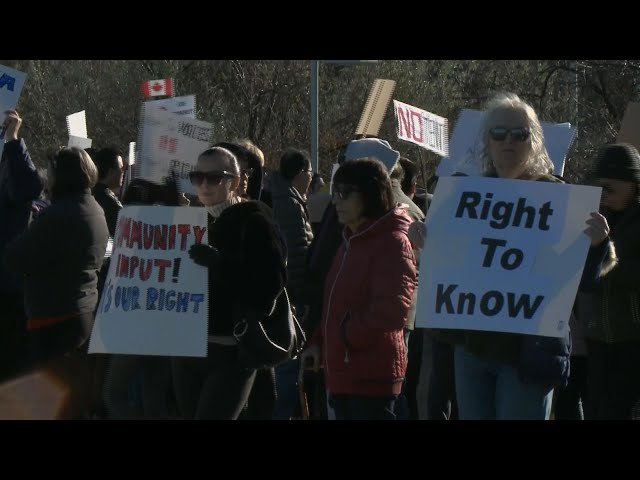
{"points": [[342, 192], [518, 134], [213, 178]]}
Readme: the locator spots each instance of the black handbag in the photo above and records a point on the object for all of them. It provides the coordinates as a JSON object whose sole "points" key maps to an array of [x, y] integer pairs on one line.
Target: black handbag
{"points": [[265, 341], [545, 360]]}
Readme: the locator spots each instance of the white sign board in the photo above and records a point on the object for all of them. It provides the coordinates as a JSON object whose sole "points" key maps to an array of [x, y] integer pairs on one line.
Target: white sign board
{"points": [[172, 144], [77, 124], [503, 255], [11, 83], [465, 145], [79, 142], [155, 298], [422, 128]]}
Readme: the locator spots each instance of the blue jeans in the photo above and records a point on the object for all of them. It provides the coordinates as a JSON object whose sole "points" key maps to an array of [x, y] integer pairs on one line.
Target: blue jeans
{"points": [[363, 407], [488, 390], [287, 400]]}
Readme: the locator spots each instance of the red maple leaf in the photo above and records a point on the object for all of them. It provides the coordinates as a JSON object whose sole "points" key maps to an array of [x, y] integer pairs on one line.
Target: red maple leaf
{"points": [[157, 87]]}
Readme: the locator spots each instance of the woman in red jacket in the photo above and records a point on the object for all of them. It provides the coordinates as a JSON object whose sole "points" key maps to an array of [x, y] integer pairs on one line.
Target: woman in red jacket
{"points": [[367, 296]]}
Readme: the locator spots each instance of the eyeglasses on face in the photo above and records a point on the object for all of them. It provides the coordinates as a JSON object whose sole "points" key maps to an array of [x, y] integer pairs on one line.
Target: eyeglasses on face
{"points": [[213, 177], [342, 191], [518, 134]]}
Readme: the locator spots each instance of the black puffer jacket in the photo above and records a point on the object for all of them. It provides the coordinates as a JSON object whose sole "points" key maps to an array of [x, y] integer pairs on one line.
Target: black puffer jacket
{"points": [[60, 255], [250, 269], [290, 213]]}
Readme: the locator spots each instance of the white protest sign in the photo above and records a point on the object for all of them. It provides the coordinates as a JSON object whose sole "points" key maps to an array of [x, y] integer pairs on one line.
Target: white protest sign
{"points": [[77, 124], [503, 255], [155, 298], [79, 142], [179, 105], [465, 146], [172, 144], [422, 128], [11, 83]]}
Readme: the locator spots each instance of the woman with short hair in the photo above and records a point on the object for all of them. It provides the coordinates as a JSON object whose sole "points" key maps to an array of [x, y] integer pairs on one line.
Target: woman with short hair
{"points": [[60, 255], [367, 296]]}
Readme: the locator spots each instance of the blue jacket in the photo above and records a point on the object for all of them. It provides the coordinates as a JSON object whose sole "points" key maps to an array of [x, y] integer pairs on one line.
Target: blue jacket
{"points": [[19, 185]]}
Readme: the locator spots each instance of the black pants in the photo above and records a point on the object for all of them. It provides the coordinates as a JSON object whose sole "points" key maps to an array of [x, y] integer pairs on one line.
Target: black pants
{"points": [[441, 399], [614, 379], [569, 403], [262, 398], [213, 388], [363, 407], [412, 377], [13, 328]]}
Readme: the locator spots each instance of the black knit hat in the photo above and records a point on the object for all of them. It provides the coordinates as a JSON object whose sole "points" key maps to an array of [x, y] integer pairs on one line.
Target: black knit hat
{"points": [[620, 161]]}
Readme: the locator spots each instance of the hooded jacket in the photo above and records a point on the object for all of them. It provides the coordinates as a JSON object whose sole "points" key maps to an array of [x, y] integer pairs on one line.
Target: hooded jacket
{"points": [[367, 296]]}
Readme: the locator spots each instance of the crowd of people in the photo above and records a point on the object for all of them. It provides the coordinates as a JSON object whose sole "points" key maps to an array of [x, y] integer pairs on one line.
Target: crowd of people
{"points": [[349, 261]]}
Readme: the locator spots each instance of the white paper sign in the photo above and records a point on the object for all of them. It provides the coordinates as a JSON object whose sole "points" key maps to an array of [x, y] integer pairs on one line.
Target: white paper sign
{"points": [[179, 105], [11, 83], [172, 143], [503, 255], [422, 128], [155, 298], [79, 142], [77, 124], [465, 145]]}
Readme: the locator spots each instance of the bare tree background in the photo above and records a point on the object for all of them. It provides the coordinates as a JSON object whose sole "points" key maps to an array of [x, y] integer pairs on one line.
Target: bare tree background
{"points": [[268, 101]]}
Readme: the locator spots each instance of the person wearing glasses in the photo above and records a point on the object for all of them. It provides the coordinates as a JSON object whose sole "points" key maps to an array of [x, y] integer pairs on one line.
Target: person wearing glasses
{"points": [[289, 188], [246, 267], [367, 296], [250, 184], [613, 326], [487, 378]]}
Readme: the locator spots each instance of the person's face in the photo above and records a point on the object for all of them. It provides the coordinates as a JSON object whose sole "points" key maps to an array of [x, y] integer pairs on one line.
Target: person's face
{"points": [[245, 173], [509, 142], [349, 205], [213, 180], [116, 174], [617, 195], [302, 180]]}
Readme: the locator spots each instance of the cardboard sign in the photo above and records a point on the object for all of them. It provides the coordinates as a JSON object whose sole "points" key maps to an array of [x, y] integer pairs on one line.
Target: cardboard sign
{"points": [[171, 145], [503, 255], [11, 83], [630, 128], [155, 298], [422, 128]]}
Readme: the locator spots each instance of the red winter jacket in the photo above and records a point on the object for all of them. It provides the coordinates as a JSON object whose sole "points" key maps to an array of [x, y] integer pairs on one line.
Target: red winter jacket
{"points": [[367, 296]]}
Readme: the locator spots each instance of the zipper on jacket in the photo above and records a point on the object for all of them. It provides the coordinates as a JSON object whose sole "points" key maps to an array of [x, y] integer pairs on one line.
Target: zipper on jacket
{"points": [[326, 320]]}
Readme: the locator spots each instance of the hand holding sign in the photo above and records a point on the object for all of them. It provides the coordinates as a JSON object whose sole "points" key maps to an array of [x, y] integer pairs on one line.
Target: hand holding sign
{"points": [[417, 234], [598, 229], [204, 255], [11, 125]]}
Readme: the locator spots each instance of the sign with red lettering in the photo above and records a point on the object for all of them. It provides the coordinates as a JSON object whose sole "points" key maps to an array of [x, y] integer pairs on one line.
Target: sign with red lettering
{"points": [[422, 128], [155, 298]]}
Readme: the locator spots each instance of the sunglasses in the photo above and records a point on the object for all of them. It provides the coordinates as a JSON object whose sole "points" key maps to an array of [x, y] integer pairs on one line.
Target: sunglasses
{"points": [[213, 178], [518, 134], [342, 192]]}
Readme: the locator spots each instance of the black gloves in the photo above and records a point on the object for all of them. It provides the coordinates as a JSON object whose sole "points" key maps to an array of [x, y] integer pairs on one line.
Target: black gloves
{"points": [[204, 255]]}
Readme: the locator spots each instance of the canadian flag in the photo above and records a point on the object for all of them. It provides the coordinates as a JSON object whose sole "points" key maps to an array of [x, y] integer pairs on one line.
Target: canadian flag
{"points": [[156, 88]]}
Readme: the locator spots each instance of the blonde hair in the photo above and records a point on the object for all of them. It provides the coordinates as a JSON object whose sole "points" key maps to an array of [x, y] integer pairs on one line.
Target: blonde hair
{"points": [[538, 163]]}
